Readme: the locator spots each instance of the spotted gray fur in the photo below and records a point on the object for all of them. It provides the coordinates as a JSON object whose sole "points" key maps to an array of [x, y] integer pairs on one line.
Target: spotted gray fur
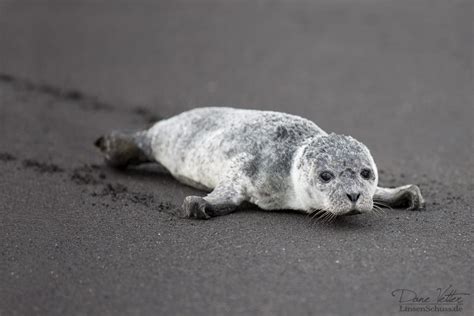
{"points": [[271, 159]]}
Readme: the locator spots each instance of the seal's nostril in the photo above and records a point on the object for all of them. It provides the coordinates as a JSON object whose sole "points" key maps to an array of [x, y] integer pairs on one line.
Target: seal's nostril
{"points": [[353, 197]]}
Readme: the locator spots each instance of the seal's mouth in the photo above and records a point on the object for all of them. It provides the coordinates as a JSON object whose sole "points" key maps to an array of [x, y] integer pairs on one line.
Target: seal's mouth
{"points": [[353, 212]]}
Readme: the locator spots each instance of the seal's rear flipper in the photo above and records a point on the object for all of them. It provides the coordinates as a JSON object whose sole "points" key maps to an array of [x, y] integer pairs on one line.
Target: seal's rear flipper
{"points": [[122, 149]]}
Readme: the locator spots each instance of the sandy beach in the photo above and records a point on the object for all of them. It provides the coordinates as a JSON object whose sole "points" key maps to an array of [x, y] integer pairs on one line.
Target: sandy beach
{"points": [[79, 238]]}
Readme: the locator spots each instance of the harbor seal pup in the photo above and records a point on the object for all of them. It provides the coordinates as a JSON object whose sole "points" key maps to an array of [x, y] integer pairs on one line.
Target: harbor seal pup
{"points": [[271, 159]]}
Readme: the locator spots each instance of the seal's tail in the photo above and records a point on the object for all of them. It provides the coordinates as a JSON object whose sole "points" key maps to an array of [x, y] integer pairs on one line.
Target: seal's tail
{"points": [[122, 149]]}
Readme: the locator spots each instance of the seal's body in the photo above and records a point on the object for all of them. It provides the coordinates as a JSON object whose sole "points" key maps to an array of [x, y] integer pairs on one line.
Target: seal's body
{"points": [[251, 149], [274, 160]]}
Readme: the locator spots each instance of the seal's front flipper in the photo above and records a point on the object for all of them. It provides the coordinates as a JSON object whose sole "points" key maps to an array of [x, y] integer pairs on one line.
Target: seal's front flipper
{"points": [[221, 201], [407, 196], [198, 208], [122, 149]]}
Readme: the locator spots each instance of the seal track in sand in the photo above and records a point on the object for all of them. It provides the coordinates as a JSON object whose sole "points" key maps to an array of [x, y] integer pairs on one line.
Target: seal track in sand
{"points": [[93, 176], [85, 102]]}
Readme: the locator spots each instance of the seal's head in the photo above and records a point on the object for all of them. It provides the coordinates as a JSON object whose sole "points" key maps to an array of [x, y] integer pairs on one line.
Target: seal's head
{"points": [[337, 174]]}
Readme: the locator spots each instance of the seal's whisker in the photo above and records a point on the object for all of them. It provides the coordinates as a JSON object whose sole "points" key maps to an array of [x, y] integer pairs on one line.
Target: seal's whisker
{"points": [[378, 210], [315, 214], [382, 204], [319, 215], [328, 217], [322, 217], [377, 207], [375, 211]]}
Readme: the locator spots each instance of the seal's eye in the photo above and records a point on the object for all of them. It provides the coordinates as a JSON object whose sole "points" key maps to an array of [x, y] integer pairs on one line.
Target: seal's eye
{"points": [[366, 174], [326, 176]]}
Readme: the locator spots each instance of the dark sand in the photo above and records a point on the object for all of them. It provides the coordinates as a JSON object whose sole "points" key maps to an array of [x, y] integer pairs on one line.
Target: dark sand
{"points": [[79, 238]]}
